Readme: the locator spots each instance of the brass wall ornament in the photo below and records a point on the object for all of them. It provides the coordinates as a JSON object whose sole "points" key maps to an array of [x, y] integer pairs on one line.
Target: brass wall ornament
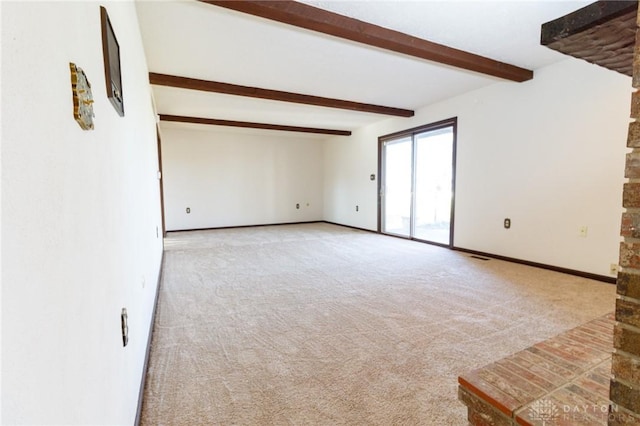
{"points": [[82, 98]]}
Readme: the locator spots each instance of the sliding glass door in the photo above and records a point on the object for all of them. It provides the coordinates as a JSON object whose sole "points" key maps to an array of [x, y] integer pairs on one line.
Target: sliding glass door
{"points": [[417, 183], [398, 203]]}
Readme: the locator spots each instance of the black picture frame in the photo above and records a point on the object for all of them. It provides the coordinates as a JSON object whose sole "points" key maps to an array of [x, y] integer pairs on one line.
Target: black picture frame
{"points": [[112, 69]]}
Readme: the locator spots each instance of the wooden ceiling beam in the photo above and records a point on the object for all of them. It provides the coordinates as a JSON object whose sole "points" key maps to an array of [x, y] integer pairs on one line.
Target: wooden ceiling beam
{"points": [[277, 95], [245, 124], [320, 20]]}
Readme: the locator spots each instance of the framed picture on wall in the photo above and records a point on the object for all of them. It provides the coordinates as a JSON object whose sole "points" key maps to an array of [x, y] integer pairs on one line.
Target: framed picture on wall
{"points": [[112, 70]]}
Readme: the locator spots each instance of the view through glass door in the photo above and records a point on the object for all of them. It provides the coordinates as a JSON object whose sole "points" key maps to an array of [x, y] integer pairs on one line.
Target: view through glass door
{"points": [[417, 183]]}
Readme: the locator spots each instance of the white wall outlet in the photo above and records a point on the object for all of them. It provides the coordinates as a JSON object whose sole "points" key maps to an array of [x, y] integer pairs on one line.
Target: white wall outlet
{"points": [[613, 269], [582, 231]]}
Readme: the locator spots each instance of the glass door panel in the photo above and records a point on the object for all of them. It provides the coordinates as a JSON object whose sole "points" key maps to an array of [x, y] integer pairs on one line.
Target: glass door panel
{"points": [[397, 190], [433, 185], [417, 178]]}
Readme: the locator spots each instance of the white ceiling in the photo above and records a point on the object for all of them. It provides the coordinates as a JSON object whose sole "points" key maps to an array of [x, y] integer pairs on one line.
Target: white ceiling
{"points": [[197, 40]]}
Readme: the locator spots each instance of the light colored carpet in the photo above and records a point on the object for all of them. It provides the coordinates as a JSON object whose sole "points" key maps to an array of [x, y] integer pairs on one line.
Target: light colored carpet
{"points": [[318, 324]]}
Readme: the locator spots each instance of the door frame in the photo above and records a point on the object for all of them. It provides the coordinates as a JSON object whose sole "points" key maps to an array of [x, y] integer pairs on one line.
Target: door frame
{"points": [[161, 180], [450, 122]]}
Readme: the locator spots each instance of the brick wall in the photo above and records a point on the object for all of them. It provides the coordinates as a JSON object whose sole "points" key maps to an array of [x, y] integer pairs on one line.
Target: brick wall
{"points": [[625, 383]]}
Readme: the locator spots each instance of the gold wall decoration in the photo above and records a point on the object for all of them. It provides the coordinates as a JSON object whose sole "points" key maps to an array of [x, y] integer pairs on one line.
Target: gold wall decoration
{"points": [[82, 98]]}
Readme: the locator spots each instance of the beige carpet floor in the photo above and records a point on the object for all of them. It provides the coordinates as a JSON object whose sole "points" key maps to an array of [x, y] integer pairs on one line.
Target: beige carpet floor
{"points": [[317, 324]]}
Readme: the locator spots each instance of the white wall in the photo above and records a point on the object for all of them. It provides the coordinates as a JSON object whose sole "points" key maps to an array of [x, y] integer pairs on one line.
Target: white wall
{"points": [[548, 153], [79, 217], [230, 177]]}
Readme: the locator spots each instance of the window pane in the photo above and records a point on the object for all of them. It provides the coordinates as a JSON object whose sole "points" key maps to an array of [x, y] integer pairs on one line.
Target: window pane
{"points": [[434, 154], [397, 190]]}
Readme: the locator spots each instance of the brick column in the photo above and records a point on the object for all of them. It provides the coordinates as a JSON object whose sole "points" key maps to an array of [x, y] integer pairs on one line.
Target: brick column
{"points": [[625, 383]]}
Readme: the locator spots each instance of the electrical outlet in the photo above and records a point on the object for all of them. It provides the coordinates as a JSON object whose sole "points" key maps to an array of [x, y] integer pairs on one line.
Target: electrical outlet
{"points": [[188, 210], [124, 324], [357, 208], [582, 231], [613, 269], [507, 223], [297, 205]]}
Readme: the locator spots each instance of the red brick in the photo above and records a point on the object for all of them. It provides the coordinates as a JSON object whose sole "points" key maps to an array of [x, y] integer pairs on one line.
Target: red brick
{"points": [[631, 195], [632, 165], [597, 341], [626, 368], [580, 410], [562, 416], [599, 329], [633, 135], [629, 255], [604, 326], [600, 387], [507, 386], [479, 419], [628, 312], [635, 105], [538, 366], [530, 414], [551, 347], [480, 413], [601, 374], [630, 225], [628, 284], [600, 378], [626, 340], [554, 360], [622, 417], [571, 351], [521, 381], [625, 396], [595, 331], [583, 345], [603, 369], [579, 361], [635, 80], [527, 375], [596, 398], [477, 386]]}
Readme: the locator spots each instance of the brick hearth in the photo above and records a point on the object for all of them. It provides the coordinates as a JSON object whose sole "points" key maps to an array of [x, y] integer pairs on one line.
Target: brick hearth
{"points": [[560, 381]]}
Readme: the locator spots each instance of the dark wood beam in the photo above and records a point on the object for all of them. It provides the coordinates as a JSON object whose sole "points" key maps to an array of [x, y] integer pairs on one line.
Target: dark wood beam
{"points": [[323, 21], [230, 123], [276, 95]]}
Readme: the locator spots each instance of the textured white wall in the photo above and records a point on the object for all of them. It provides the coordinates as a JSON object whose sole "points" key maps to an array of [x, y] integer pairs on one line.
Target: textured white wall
{"points": [[548, 153], [79, 217], [233, 177]]}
